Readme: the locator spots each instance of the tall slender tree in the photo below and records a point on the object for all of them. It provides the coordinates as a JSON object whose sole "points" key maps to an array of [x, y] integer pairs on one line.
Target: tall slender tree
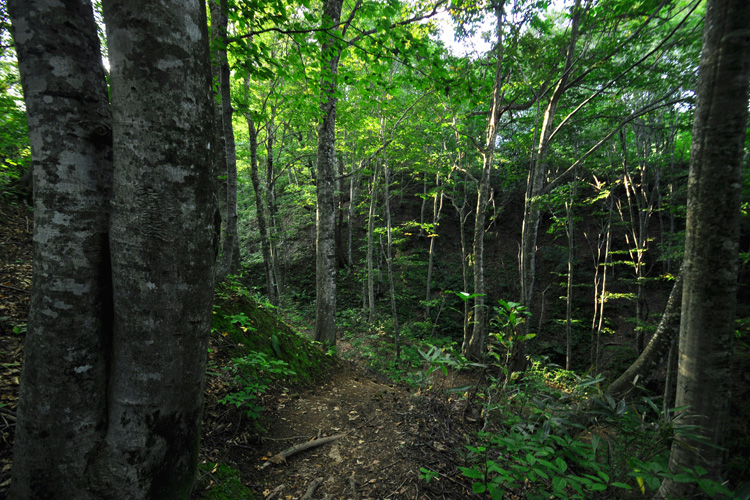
{"points": [[325, 295]]}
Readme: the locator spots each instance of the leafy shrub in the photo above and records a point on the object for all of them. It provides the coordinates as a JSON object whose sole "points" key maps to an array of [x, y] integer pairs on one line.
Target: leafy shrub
{"points": [[252, 375]]}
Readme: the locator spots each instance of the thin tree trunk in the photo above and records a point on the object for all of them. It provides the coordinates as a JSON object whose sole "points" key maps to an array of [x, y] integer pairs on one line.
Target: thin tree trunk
{"points": [[473, 347], [712, 242], [570, 229], [260, 209], [437, 207], [63, 389], [230, 260], [651, 357], [389, 257], [538, 172], [370, 245], [273, 221]]}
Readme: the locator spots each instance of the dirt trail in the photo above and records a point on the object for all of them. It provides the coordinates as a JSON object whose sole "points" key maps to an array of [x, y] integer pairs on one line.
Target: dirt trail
{"points": [[388, 434]]}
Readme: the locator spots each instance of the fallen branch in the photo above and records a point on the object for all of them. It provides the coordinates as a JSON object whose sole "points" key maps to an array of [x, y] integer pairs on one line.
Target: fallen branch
{"points": [[281, 457], [311, 489]]}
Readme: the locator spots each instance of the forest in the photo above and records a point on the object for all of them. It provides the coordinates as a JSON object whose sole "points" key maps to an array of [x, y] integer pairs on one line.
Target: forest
{"points": [[378, 249]]}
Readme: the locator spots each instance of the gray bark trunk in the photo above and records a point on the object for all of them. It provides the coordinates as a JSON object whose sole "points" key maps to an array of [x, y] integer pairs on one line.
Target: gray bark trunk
{"points": [[325, 294], [260, 210], [712, 240], [64, 379], [437, 207], [162, 246], [273, 221], [226, 156], [370, 245], [389, 257], [538, 172]]}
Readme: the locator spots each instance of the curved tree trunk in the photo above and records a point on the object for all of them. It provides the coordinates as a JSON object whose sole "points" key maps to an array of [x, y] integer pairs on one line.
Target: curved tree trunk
{"points": [[538, 172], [64, 381], [651, 357], [712, 240]]}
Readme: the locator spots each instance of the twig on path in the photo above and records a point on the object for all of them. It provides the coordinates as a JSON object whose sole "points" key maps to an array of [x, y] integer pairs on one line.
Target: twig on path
{"points": [[281, 457], [311, 489], [16, 289], [284, 439]]}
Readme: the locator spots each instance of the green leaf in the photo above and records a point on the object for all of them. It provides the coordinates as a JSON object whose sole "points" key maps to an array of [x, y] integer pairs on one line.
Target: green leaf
{"points": [[471, 473], [479, 487]]}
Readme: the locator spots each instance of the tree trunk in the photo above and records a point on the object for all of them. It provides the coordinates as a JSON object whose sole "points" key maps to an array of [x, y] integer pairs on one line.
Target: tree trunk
{"points": [[162, 248], [712, 240], [139, 354], [437, 207], [260, 209], [325, 295], [389, 256], [230, 260], [651, 357], [370, 246], [273, 221], [473, 347], [64, 381], [570, 229], [538, 172]]}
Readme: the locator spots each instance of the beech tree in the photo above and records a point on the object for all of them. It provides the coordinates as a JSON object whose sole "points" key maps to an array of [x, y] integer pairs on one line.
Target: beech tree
{"points": [[712, 242], [112, 382]]}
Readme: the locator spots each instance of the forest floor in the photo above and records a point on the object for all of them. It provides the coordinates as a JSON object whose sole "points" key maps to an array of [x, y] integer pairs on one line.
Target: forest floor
{"points": [[382, 433], [382, 436]]}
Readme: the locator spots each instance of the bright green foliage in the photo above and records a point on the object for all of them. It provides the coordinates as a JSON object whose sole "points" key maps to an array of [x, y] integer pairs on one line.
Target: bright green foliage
{"points": [[540, 444], [14, 141], [253, 374]]}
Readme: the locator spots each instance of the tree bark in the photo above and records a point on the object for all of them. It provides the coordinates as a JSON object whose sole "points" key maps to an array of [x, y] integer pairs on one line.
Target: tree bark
{"points": [[712, 240], [538, 172], [370, 245], [64, 381], [226, 156], [473, 347], [260, 210], [162, 246], [325, 294], [389, 256]]}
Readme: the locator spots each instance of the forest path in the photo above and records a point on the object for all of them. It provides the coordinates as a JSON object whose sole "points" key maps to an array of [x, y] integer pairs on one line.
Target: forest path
{"points": [[386, 435], [388, 431]]}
